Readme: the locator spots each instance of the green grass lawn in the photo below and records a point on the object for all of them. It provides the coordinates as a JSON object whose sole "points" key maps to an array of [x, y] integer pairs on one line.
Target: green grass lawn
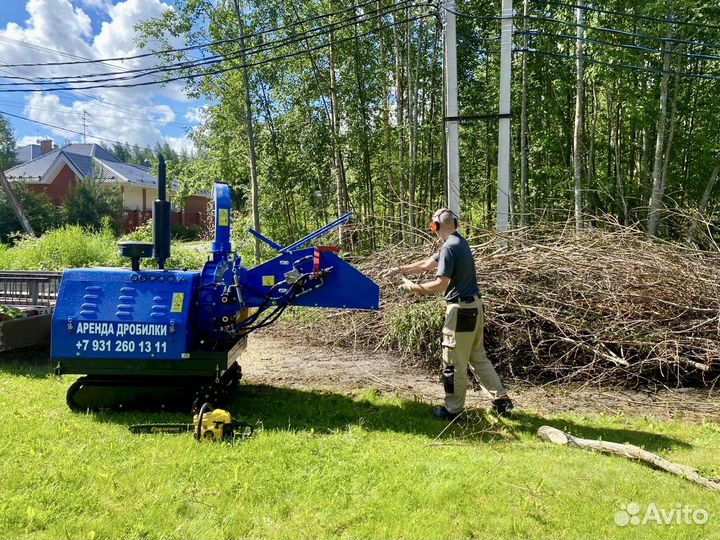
{"points": [[326, 465]]}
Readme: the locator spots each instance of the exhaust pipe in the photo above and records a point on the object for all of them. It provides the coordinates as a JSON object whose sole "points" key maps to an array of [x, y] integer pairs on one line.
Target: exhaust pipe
{"points": [[161, 218]]}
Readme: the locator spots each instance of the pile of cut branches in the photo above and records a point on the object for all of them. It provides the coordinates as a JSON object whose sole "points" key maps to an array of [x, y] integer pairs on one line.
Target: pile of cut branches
{"points": [[600, 306]]}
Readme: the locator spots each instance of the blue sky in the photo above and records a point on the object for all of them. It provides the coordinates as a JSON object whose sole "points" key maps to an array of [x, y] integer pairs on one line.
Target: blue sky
{"points": [[40, 31]]}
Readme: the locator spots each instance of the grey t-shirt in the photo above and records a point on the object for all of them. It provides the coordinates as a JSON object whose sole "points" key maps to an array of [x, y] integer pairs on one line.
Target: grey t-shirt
{"points": [[456, 262]]}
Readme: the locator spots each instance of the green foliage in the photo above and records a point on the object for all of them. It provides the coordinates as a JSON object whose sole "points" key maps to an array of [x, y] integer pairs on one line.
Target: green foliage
{"points": [[7, 144], [180, 233], [90, 201], [70, 246], [41, 213], [182, 256], [9, 312], [416, 328], [131, 154], [186, 232], [389, 128], [142, 233], [187, 258]]}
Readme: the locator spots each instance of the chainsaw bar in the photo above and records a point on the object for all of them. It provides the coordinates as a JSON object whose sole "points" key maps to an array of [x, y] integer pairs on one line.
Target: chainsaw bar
{"points": [[173, 429]]}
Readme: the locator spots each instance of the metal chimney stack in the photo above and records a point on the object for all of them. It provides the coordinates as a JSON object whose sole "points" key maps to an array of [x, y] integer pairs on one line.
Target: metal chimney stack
{"points": [[161, 218]]}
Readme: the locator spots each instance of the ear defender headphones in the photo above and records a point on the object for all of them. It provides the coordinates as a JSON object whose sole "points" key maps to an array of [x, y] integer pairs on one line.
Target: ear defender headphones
{"points": [[435, 224]]}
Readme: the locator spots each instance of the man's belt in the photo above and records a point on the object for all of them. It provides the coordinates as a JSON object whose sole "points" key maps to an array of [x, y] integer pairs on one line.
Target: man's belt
{"points": [[463, 299]]}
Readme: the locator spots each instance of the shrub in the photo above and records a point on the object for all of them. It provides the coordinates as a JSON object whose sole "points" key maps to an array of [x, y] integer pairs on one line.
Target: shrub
{"points": [[181, 258], [67, 247], [143, 233], [90, 201], [41, 213], [74, 247], [186, 232], [415, 329]]}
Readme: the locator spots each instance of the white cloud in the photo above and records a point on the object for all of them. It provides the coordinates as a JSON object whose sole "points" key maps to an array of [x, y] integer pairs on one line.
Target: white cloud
{"points": [[181, 143], [197, 114], [29, 139], [130, 115], [164, 114], [99, 5]]}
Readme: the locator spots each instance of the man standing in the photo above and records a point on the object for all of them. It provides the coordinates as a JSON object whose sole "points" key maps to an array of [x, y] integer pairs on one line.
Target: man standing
{"points": [[462, 334]]}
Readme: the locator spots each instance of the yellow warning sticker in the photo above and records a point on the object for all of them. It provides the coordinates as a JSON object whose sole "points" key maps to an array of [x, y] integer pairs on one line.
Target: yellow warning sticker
{"points": [[268, 281], [223, 217], [177, 302]]}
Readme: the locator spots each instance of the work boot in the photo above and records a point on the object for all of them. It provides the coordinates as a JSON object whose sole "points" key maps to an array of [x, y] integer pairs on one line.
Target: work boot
{"points": [[503, 406], [441, 413]]}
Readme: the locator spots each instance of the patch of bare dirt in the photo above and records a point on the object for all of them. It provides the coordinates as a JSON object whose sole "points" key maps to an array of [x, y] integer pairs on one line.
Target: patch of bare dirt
{"points": [[283, 361]]}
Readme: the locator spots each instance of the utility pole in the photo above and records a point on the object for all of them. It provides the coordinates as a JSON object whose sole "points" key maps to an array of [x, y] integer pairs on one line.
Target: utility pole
{"points": [[84, 121], [451, 110], [250, 135], [503, 188]]}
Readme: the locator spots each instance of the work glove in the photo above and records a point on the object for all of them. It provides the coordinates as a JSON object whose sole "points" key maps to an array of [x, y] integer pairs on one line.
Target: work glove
{"points": [[406, 286], [395, 270]]}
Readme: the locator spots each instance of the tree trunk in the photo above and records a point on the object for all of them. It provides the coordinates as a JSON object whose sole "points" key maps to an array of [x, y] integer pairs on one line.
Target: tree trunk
{"points": [[365, 143], [591, 189], [280, 165], [17, 208], [577, 143], [657, 191], [524, 126], [671, 135], [704, 202], [488, 178], [556, 436], [412, 96], [254, 195], [400, 118], [619, 182], [329, 114], [340, 184], [389, 207]]}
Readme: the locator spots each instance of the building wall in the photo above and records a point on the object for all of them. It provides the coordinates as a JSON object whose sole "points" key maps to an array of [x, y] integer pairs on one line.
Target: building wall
{"points": [[133, 197], [132, 219], [137, 202], [196, 208], [194, 214], [58, 189]]}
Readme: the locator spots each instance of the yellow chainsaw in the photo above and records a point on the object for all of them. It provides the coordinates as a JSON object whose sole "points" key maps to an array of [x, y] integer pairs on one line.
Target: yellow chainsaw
{"points": [[208, 425]]}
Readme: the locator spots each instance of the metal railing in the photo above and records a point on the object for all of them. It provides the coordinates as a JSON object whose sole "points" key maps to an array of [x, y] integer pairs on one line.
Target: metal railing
{"points": [[29, 288]]}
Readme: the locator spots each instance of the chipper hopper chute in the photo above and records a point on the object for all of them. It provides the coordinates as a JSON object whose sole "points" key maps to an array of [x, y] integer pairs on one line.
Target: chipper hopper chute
{"points": [[160, 338]]}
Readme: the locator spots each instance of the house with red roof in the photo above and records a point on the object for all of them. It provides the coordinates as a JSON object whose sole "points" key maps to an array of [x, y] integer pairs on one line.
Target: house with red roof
{"points": [[56, 172]]}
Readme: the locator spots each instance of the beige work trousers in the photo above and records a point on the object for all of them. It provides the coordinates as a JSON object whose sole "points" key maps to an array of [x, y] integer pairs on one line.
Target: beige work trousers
{"points": [[462, 344]]}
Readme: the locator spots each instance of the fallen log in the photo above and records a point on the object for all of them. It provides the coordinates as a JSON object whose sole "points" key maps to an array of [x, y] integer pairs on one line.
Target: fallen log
{"points": [[630, 451]]}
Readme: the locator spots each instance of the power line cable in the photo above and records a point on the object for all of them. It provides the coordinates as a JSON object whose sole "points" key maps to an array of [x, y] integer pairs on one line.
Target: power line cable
{"points": [[217, 71], [62, 128], [131, 112], [628, 15], [615, 31], [595, 28], [198, 46], [640, 48], [123, 116], [479, 17], [703, 76], [53, 51], [138, 73]]}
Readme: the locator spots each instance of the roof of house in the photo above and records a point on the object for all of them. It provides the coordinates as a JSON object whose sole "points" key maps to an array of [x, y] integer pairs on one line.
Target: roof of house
{"points": [[84, 160], [27, 153]]}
